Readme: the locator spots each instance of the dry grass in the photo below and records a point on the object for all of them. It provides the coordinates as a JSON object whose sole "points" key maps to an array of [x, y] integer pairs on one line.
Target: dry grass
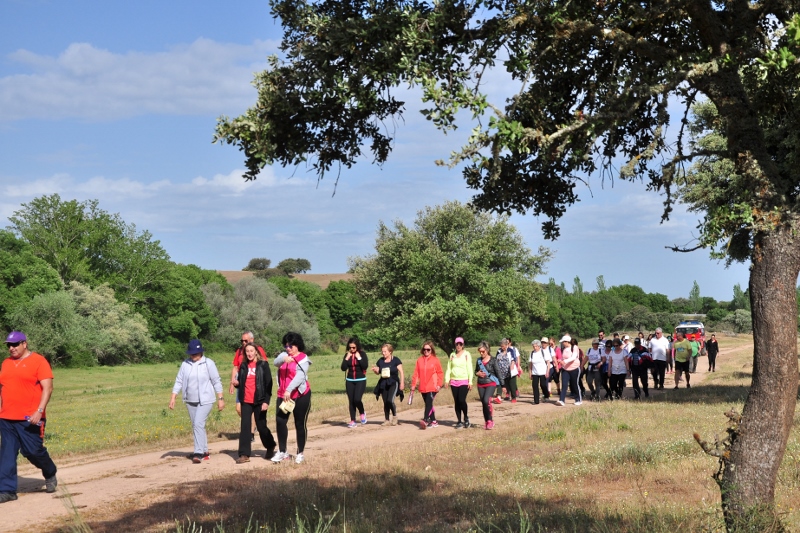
{"points": [[609, 467]]}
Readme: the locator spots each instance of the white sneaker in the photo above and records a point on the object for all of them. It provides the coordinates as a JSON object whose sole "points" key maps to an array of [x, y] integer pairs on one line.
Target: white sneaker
{"points": [[559, 402], [299, 458], [578, 403], [279, 456]]}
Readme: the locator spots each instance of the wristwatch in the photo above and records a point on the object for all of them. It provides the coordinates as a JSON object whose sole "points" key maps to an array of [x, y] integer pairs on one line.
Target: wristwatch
{"points": [[40, 410]]}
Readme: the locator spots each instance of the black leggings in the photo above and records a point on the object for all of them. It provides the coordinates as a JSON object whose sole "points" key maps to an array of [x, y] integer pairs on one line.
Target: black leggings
{"points": [[388, 401], [302, 406], [712, 361], [430, 412], [618, 384], [486, 394], [355, 391], [248, 409], [460, 401], [540, 382], [659, 371]]}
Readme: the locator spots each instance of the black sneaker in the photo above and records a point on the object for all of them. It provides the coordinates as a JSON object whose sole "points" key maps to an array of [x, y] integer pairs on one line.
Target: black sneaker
{"points": [[252, 437], [466, 423], [50, 484], [196, 459], [7, 497], [459, 426]]}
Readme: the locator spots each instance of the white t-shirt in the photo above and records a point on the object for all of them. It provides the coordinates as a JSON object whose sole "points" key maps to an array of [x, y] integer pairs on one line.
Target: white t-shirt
{"points": [[539, 362], [594, 356], [659, 348], [618, 361]]}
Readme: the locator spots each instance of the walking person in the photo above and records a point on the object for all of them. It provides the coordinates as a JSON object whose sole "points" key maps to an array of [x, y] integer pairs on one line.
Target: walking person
{"points": [[486, 370], [238, 357], [253, 397], [618, 369], [695, 343], [26, 384], [639, 362], [508, 363], [682, 352], [570, 371], [595, 359], [355, 365], [581, 366], [555, 372], [659, 351], [712, 347], [391, 382], [201, 384], [604, 366], [294, 390], [458, 376], [540, 363], [430, 377]]}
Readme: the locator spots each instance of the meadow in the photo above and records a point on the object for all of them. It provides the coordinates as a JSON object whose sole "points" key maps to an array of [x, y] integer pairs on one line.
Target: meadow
{"points": [[626, 466]]}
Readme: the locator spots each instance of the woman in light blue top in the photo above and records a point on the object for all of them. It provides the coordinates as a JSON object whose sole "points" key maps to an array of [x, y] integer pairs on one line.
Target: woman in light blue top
{"points": [[199, 380]]}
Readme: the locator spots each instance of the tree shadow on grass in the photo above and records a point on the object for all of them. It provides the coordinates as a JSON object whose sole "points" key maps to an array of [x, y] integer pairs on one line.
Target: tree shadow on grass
{"points": [[703, 393], [363, 502]]}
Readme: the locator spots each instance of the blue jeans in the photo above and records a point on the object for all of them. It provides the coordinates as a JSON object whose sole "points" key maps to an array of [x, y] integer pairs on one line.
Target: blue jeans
{"points": [[569, 378], [16, 436]]}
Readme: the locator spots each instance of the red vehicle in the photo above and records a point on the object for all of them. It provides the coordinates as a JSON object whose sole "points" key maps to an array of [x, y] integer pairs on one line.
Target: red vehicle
{"points": [[693, 330]]}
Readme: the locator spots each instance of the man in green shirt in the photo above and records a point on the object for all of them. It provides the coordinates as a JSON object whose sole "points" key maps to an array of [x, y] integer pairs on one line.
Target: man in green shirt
{"points": [[695, 352], [682, 351]]}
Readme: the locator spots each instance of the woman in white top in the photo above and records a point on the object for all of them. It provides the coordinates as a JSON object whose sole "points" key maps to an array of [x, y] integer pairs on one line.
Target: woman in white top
{"points": [[540, 363], [618, 368], [595, 358]]}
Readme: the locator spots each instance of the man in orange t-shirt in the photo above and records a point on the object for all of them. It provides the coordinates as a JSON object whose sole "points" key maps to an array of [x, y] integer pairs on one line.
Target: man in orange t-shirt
{"points": [[26, 383]]}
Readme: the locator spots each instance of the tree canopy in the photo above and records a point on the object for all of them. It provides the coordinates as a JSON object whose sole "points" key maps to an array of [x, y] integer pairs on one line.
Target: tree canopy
{"points": [[456, 270], [597, 86]]}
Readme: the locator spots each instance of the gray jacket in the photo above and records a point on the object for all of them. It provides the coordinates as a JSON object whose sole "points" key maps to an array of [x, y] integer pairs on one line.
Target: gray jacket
{"points": [[203, 375]]}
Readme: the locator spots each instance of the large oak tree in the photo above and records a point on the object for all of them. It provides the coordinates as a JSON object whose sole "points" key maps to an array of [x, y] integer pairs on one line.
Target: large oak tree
{"points": [[599, 83]]}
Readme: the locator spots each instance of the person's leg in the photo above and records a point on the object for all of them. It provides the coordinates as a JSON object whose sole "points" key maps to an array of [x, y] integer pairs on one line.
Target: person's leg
{"points": [[302, 406], [281, 425], [432, 410], [9, 449], [637, 392], [456, 403], [677, 373], [712, 363], [427, 398], [246, 429], [486, 394], [361, 387], [536, 383], [514, 389], [198, 415], [350, 388], [574, 376], [688, 377], [562, 393], [388, 400], [463, 391], [267, 440]]}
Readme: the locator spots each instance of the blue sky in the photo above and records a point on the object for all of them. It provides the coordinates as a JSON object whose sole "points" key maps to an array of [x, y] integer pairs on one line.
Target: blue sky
{"points": [[117, 101]]}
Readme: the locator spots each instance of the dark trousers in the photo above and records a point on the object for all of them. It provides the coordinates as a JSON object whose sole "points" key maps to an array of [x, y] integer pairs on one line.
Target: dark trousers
{"points": [[604, 382], [618, 384], [659, 371], [355, 391], [486, 394], [264, 433], [302, 406], [693, 361], [639, 374], [20, 436], [510, 384], [430, 412], [569, 378], [388, 396], [712, 362], [540, 382], [460, 401]]}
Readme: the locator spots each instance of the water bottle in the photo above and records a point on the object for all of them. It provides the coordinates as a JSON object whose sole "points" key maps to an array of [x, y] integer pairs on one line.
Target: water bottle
{"points": [[28, 419]]}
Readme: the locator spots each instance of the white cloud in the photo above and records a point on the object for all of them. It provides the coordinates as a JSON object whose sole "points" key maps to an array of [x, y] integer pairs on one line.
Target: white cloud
{"points": [[204, 77]]}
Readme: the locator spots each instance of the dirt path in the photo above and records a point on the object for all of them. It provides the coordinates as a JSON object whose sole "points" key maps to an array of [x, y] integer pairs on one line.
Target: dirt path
{"points": [[97, 482]]}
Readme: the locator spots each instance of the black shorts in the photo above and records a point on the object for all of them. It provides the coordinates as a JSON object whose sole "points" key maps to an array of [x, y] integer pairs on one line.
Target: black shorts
{"points": [[684, 367]]}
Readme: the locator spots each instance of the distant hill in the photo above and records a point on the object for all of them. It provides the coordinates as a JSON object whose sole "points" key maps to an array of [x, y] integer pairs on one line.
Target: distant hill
{"points": [[319, 279]]}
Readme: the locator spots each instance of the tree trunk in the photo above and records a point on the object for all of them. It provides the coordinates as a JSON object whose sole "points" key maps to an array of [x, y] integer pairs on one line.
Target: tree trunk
{"points": [[758, 444]]}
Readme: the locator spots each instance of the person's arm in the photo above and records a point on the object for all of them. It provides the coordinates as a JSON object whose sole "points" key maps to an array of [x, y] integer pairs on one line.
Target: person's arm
{"points": [[176, 388], [437, 371], [300, 376], [471, 376], [363, 361], [47, 391], [415, 376], [280, 359], [216, 382], [346, 362], [234, 381], [401, 376], [267, 376]]}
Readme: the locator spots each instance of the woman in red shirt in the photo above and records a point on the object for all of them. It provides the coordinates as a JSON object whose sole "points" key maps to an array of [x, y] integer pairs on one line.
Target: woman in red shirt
{"points": [[429, 375], [254, 394]]}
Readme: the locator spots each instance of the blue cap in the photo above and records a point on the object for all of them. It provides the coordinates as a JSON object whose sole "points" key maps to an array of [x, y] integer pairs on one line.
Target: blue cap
{"points": [[195, 347], [16, 336]]}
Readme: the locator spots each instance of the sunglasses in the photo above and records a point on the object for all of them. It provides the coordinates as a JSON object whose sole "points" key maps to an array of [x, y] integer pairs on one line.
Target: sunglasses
{"points": [[352, 347], [426, 349], [14, 344], [244, 341]]}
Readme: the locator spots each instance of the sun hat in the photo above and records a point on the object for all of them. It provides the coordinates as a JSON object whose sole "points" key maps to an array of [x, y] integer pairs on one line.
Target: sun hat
{"points": [[16, 336], [460, 340], [626, 338], [566, 338], [195, 347], [545, 339]]}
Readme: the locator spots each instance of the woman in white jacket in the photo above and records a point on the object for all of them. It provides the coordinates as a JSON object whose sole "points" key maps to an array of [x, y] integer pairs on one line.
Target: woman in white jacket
{"points": [[199, 380]]}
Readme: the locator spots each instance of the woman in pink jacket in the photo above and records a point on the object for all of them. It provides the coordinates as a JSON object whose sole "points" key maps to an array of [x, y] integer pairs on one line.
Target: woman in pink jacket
{"points": [[430, 377], [570, 370], [293, 386]]}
